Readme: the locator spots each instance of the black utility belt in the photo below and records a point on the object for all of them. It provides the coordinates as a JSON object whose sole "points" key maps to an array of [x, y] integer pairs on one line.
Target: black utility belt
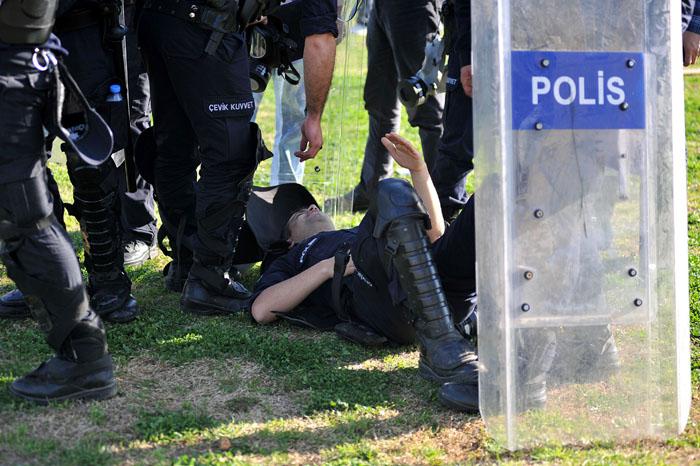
{"points": [[189, 11]]}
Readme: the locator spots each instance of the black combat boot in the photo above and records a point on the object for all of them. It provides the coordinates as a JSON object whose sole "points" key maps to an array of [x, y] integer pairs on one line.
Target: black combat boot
{"points": [[584, 355], [111, 298], [61, 379], [82, 369], [536, 349], [445, 355], [209, 290], [13, 306]]}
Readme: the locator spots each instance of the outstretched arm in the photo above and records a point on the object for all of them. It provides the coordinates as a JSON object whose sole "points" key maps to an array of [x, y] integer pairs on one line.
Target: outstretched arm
{"points": [[288, 294], [408, 157]]}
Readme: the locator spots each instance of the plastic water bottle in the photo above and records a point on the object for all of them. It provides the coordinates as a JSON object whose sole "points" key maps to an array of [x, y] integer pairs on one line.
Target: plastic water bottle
{"points": [[115, 93]]}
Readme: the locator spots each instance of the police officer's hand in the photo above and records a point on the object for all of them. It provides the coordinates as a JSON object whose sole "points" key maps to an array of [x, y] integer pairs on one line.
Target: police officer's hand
{"points": [[311, 139], [465, 77], [691, 45], [403, 152]]}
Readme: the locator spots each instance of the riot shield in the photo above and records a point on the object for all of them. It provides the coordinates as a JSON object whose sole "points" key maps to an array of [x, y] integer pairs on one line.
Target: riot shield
{"points": [[581, 220], [336, 168]]}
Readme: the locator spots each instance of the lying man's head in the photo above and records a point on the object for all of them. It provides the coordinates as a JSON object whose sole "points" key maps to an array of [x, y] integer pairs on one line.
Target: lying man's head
{"points": [[307, 222]]}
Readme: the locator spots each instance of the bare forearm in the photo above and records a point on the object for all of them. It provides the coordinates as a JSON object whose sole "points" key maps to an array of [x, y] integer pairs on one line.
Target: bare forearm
{"points": [[425, 188], [286, 295], [319, 60]]}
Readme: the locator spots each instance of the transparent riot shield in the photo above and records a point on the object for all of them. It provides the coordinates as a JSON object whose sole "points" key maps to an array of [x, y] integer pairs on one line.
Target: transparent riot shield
{"points": [[336, 168], [581, 220]]}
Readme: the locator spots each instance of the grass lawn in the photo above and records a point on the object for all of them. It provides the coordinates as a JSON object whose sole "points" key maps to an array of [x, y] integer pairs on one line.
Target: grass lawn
{"points": [[223, 391]]}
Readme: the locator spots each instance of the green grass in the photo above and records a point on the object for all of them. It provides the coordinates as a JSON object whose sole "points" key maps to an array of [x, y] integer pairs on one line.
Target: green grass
{"points": [[223, 391]]}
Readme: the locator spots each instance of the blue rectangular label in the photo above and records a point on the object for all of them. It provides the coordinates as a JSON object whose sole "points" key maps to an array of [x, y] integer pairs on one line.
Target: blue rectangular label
{"points": [[577, 90]]}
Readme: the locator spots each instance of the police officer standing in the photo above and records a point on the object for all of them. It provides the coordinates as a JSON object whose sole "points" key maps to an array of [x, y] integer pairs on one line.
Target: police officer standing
{"points": [[396, 41], [197, 62], [33, 246], [83, 27]]}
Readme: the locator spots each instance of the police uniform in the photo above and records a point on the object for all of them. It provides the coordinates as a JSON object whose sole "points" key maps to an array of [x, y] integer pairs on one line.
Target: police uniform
{"points": [[456, 149], [396, 38], [202, 105], [397, 290], [135, 212], [34, 247]]}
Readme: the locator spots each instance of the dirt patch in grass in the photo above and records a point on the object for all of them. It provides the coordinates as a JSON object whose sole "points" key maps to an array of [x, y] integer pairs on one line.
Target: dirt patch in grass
{"points": [[149, 385]]}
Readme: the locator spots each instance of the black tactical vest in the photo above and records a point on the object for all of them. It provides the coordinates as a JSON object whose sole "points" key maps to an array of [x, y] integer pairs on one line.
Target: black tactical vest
{"points": [[26, 21]]}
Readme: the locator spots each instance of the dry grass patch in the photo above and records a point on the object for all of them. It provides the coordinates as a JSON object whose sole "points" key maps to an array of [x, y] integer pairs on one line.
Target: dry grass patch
{"points": [[146, 384]]}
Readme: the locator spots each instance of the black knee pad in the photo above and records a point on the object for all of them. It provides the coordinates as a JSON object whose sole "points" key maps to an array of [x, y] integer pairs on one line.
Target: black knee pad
{"points": [[84, 175], [395, 199]]}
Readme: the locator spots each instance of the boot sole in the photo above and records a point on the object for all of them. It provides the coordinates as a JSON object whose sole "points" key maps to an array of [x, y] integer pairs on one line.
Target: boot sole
{"points": [[193, 307], [101, 393], [429, 374]]}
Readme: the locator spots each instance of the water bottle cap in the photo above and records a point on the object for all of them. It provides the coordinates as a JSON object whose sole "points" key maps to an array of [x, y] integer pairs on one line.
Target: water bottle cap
{"points": [[115, 88]]}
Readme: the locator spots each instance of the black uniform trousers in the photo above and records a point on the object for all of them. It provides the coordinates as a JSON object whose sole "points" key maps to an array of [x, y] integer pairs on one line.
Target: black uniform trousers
{"points": [[33, 245], [94, 69], [455, 157], [396, 39], [202, 105], [377, 295]]}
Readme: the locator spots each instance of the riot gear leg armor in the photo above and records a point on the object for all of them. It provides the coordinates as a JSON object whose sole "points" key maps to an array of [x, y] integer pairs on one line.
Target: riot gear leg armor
{"points": [[445, 355], [95, 207]]}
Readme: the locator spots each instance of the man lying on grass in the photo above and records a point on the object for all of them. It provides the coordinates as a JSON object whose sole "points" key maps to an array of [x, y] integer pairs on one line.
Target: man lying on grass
{"points": [[382, 282]]}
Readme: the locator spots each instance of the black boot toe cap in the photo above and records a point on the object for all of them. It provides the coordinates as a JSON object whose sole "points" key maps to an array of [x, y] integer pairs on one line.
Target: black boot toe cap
{"points": [[460, 397]]}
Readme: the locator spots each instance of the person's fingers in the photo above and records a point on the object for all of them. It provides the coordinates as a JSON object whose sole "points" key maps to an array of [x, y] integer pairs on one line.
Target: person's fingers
{"points": [[390, 146], [303, 142], [311, 151], [399, 142], [403, 145], [397, 139]]}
